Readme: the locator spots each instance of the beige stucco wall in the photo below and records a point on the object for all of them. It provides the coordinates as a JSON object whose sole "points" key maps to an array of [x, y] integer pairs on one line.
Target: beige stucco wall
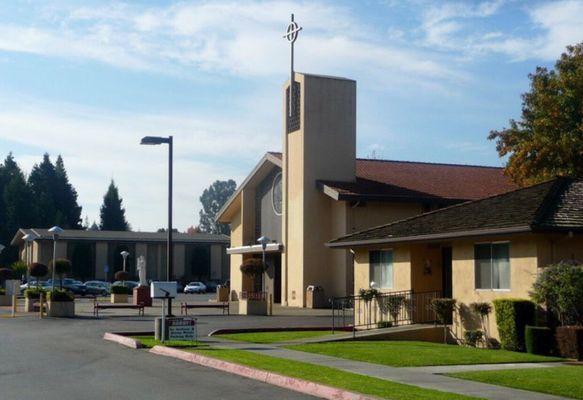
{"points": [[216, 261], [375, 213], [100, 259], [236, 259]]}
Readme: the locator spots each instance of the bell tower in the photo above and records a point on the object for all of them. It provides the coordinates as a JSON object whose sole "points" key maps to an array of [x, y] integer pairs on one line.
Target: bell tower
{"points": [[319, 141]]}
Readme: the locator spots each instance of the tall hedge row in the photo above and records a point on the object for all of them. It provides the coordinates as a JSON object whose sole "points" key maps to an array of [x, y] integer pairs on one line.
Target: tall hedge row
{"points": [[512, 316]]}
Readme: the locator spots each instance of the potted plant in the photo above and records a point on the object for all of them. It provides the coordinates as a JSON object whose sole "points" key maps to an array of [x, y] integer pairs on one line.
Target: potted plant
{"points": [[32, 295], [61, 303], [5, 274], [254, 302], [120, 293]]}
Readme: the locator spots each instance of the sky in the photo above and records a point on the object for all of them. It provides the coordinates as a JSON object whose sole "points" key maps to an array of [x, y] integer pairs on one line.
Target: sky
{"points": [[88, 79]]}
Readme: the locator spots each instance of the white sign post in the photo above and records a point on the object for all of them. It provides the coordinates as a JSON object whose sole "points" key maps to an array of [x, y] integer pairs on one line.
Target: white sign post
{"points": [[164, 291]]}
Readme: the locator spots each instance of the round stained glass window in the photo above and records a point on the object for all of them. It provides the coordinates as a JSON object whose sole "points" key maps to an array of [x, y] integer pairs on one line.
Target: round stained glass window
{"points": [[276, 194]]}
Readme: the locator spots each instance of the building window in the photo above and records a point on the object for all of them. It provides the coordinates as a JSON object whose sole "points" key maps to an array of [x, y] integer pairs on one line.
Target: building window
{"points": [[277, 195], [381, 268], [492, 265]]}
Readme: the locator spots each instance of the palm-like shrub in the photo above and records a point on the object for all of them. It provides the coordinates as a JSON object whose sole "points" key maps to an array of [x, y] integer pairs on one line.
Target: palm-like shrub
{"points": [[368, 294], [62, 267], [19, 268], [482, 310], [443, 308], [37, 271]]}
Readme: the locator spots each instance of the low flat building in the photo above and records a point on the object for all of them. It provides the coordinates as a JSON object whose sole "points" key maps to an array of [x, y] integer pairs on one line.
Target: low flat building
{"points": [[96, 254], [478, 251]]}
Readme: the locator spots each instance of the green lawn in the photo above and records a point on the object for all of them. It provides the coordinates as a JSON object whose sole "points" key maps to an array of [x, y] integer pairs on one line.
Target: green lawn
{"points": [[566, 381], [149, 342], [415, 354], [273, 337], [329, 376]]}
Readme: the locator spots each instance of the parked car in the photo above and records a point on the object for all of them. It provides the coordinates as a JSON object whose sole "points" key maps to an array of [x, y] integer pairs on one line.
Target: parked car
{"points": [[71, 285], [129, 284], [195, 287], [211, 287], [97, 288], [31, 284]]}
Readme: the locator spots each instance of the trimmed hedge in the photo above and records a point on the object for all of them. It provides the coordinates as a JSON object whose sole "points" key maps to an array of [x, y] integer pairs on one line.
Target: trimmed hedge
{"points": [[538, 340], [570, 341], [60, 295], [33, 293], [512, 316], [118, 289]]}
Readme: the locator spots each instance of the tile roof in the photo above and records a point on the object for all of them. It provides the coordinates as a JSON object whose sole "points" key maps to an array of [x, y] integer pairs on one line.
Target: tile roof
{"points": [[71, 234], [549, 206], [388, 179]]}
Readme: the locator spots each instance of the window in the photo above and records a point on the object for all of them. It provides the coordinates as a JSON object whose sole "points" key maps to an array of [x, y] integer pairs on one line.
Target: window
{"points": [[381, 268], [492, 266]]}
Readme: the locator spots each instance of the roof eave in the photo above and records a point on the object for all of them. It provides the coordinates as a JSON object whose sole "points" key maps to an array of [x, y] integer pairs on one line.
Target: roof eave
{"points": [[431, 237]]}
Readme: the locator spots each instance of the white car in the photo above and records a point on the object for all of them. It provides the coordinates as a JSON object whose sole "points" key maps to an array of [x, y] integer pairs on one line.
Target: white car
{"points": [[195, 287]]}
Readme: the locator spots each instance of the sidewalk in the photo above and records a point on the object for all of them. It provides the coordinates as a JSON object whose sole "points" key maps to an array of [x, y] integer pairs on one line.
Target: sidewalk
{"points": [[426, 377]]}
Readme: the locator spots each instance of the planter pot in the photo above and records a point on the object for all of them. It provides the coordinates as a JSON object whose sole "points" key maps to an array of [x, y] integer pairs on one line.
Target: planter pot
{"points": [[142, 296], [223, 294], [119, 298], [5, 300], [252, 307], [61, 309], [29, 304]]}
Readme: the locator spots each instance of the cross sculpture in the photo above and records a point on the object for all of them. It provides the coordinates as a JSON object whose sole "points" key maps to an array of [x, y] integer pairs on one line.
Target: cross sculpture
{"points": [[293, 29]]}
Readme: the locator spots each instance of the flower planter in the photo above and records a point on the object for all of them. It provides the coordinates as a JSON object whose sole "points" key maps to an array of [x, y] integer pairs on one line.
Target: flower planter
{"points": [[5, 300], [61, 309], [252, 307], [29, 304], [119, 298]]}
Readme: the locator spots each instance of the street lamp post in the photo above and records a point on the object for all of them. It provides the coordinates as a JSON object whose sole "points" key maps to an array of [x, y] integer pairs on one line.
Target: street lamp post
{"points": [[157, 140], [263, 241], [55, 231], [28, 239], [125, 255]]}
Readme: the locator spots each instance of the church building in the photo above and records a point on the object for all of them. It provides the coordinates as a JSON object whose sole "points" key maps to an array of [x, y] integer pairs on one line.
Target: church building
{"points": [[316, 190]]}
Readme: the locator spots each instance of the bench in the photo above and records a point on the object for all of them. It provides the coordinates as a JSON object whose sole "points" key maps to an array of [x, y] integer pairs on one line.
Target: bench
{"points": [[105, 306], [184, 307]]}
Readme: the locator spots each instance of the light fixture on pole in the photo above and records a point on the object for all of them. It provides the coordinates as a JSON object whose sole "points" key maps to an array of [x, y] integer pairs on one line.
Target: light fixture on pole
{"points": [[28, 239], [263, 241], [55, 231], [2, 247], [125, 255], [157, 140]]}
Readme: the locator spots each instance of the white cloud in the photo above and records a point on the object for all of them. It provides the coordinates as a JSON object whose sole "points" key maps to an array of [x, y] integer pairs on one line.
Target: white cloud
{"points": [[98, 145]]}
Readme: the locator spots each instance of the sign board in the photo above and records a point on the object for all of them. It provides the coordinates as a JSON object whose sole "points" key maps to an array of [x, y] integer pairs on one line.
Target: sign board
{"points": [[181, 329], [163, 290]]}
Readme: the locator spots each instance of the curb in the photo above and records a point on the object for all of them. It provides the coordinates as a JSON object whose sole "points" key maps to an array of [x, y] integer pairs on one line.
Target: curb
{"points": [[291, 329], [123, 340], [286, 382]]}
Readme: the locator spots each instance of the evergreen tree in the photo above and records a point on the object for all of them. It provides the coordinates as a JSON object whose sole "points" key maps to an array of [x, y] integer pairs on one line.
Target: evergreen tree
{"points": [[42, 182], [112, 213], [66, 198]]}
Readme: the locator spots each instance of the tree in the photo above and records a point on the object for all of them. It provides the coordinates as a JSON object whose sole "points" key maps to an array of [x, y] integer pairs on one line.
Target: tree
{"points": [[193, 230], [66, 198], [212, 200], [548, 139], [42, 182], [112, 213]]}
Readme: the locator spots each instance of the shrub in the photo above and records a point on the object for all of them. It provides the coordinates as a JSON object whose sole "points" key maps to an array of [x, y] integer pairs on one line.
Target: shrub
{"points": [[512, 316], [473, 337], [118, 289], [560, 288], [33, 293], [482, 310], [570, 341], [19, 268], [38, 270], [2, 291], [384, 324], [5, 273], [60, 295], [122, 276], [443, 308], [538, 340]]}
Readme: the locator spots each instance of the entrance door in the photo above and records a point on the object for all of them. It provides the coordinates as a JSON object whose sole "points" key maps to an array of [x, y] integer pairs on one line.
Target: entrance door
{"points": [[446, 262], [277, 278]]}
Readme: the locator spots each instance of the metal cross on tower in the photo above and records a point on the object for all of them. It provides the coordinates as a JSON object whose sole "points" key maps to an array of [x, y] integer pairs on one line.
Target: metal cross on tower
{"points": [[293, 29]]}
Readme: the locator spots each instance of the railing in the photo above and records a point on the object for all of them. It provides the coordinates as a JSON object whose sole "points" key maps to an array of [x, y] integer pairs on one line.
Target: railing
{"points": [[260, 296], [383, 310]]}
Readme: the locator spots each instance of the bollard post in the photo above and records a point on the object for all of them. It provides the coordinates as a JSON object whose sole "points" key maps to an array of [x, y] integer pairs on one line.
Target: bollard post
{"points": [[14, 303], [40, 307], [270, 304]]}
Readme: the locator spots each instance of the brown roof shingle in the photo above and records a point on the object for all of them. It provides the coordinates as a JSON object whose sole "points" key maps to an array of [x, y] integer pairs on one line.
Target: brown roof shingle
{"points": [[552, 205]]}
